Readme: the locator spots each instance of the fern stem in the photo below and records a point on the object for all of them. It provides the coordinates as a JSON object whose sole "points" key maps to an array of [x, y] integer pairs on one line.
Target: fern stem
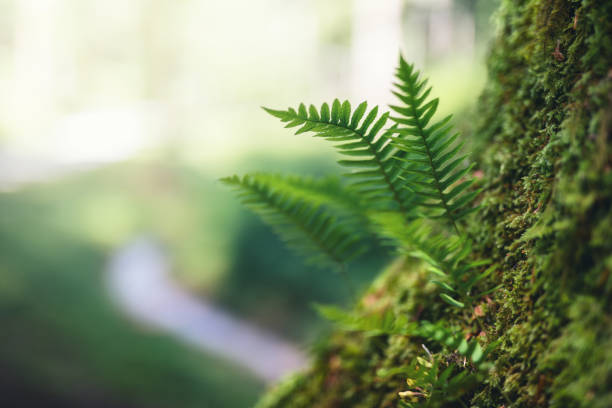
{"points": [[394, 192]]}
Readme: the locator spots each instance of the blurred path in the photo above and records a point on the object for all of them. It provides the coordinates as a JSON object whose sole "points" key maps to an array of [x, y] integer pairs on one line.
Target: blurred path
{"points": [[140, 283]]}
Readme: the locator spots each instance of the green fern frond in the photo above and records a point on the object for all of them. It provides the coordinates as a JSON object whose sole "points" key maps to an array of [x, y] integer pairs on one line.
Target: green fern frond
{"points": [[442, 378], [418, 239], [328, 191], [456, 342], [388, 323], [371, 325], [430, 149], [305, 225], [437, 378], [358, 135], [437, 383], [445, 256]]}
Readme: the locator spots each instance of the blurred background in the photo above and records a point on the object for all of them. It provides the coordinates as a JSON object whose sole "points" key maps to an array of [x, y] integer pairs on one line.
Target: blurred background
{"points": [[129, 277]]}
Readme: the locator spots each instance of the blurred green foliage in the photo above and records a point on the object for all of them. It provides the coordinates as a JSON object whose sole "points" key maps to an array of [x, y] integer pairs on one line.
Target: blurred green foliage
{"points": [[64, 342]]}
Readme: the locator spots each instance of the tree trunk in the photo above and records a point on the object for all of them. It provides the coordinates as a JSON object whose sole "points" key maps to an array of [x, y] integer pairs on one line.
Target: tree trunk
{"points": [[543, 149]]}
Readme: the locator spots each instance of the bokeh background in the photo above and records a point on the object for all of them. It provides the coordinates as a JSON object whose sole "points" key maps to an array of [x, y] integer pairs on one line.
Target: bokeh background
{"points": [[129, 276]]}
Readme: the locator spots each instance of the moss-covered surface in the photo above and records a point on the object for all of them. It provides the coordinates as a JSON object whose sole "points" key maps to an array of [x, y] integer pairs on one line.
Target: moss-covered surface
{"points": [[543, 148]]}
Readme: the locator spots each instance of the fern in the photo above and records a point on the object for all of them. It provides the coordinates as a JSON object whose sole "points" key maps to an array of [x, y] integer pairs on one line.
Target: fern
{"points": [[401, 173], [388, 323], [326, 191], [378, 177], [430, 149], [443, 378], [436, 382], [371, 325], [446, 257], [301, 221], [404, 178]]}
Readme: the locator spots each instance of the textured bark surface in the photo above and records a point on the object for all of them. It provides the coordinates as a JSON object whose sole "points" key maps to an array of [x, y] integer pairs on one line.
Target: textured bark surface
{"points": [[543, 147]]}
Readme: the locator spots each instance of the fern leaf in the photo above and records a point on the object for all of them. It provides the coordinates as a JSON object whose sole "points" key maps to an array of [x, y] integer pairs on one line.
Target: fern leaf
{"points": [[326, 191], [358, 136], [299, 217], [375, 324], [388, 323], [457, 342], [417, 239], [432, 147], [451, 301], [446, 257]]}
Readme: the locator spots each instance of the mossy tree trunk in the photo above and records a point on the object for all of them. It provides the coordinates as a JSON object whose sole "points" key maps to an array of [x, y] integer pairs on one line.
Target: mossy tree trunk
{"points": [[543, 147]]}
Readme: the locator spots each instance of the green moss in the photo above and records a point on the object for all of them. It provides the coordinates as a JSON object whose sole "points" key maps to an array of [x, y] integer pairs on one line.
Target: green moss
{"points": [[543, 144]]}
